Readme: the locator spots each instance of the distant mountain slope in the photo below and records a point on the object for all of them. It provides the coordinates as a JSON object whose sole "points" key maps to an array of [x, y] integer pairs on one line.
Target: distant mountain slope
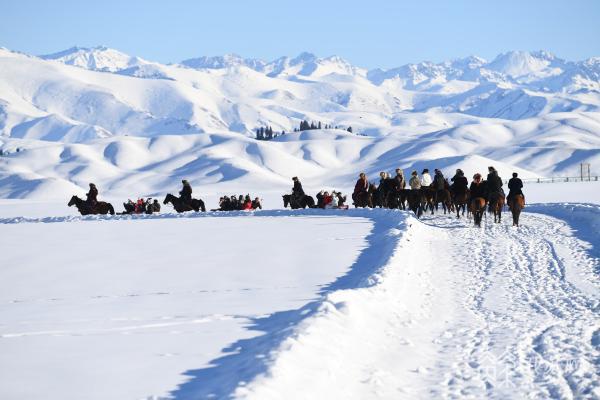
{"points": [[530, 112]]}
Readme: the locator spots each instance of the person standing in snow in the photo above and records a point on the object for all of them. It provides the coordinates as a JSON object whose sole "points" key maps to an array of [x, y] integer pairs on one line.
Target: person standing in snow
{"points": [[414, 182], [185, 194], [515, 185], [426, 178]]}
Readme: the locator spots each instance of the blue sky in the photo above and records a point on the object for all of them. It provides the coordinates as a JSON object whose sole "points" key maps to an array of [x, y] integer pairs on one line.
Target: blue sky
{"points": [[371, 33]]}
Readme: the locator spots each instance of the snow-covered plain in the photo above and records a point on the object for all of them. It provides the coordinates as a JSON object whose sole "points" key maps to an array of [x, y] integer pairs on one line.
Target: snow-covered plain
{"points": [[294, 304]]}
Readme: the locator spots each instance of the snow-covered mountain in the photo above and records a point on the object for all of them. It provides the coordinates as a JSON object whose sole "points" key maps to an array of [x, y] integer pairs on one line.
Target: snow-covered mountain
{"points": [[531, 111]]}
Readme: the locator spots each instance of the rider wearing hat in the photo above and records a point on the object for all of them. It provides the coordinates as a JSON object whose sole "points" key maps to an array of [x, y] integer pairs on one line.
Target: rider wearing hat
{"points": [[186, 192], [297, 190], [92, 195], [515, 185]]}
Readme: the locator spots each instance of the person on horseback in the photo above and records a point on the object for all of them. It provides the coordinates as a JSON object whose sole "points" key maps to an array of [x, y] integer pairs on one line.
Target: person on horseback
{"points": [[185, 194], [92, 196], [297, 191], [494, 182], [478, 188], [460, 183], [414, 182], [439, 182], [383, 188], [515, 185], [362, 186], [399, 181], [426, 178], [256, 203]]}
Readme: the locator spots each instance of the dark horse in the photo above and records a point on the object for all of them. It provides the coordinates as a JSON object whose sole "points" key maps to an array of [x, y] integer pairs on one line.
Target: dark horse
{"points": [[516, 204], [365, 199], [477, 209], [181, 206], [305, 201], [416, 201], [445, 197], [101, 207], [495, 205], [460, 201]]}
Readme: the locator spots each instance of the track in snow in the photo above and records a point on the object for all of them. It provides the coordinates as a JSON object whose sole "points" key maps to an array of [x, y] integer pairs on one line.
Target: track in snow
{"points": [[457, 312]]}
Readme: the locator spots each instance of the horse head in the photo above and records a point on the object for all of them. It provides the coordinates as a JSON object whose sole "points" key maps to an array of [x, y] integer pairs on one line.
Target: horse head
{"points": [[286, 200], [168, 198], [73, 200]]}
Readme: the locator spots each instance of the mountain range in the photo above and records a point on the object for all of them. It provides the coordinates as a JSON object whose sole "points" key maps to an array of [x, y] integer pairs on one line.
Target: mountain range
{"points": [[533, 111]]}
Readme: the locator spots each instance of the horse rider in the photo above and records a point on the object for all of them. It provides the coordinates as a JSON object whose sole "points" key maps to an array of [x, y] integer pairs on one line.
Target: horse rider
{"points": [[460, 183], [426, 178], [399, 181], [297, 191], [92, 196], [414, 182], [478, 188], [515, 185], [494, 182], [185, 194], [362, 186], [383, 188]]}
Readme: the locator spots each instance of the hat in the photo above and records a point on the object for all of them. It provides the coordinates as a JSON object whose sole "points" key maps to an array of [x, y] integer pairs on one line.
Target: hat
{"points": [[414, 173], [184, 181], [425, 170], [295, 178], [92, 185], [515, 174]]}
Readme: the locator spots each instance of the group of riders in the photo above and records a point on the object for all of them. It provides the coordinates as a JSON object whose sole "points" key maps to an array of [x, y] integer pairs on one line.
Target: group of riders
{"points": [[423, 191]]}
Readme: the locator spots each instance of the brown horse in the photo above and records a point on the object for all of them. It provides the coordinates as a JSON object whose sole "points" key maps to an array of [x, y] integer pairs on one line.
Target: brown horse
{"points": [[416, 201], [516, 204], [477, 209], [84, 208], [429, 194], [460, 202], [495, 206], [181, 206], [363, 199]]}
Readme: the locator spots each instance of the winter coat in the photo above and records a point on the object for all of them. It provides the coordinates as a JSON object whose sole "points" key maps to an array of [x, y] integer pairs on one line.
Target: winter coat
{"points": [[478, 190], [494, 182], [297, 189], [362, 185], [186, 193], [461, 184], [515, 185], [439, 183], [247, 205], [415, 183], [399, 183], [426, 179], [92, 195]]}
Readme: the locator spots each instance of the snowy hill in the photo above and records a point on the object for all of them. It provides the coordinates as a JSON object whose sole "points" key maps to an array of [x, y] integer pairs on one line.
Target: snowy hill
{"points": [[77, 113]]}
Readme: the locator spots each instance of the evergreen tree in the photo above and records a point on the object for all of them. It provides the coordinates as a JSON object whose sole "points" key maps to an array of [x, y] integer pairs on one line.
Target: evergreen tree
{"points": [[349, 129], [319, 126]]}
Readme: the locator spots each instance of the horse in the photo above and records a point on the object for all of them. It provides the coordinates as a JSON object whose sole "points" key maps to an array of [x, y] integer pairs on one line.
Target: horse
{"points": [[363, 199], [101, 207], [460, 201], [477, 209], [445, 197], [429, 194], [305, 201], [181, 206], [495, 205], [416, 201], [516, 204]]}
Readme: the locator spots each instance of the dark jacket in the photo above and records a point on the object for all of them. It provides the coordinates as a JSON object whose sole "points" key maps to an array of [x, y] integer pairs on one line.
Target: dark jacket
{"points": [[460, 185], [494, 182], [361, 186], [515, 185], [297, 189], [478, 190], [92, 195], [399, 183], [186, 193], [439, 183]]}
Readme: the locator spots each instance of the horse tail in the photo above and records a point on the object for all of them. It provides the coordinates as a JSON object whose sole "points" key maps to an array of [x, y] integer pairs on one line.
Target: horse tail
{"points": [[202, 206]]}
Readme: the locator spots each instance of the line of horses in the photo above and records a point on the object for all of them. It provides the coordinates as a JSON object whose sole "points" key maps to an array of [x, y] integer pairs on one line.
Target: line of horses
{"points": [[426, 199], [418, 201]]}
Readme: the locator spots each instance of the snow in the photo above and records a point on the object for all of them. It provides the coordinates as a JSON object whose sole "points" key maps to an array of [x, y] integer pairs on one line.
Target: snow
{"points": [[120, 309]]}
